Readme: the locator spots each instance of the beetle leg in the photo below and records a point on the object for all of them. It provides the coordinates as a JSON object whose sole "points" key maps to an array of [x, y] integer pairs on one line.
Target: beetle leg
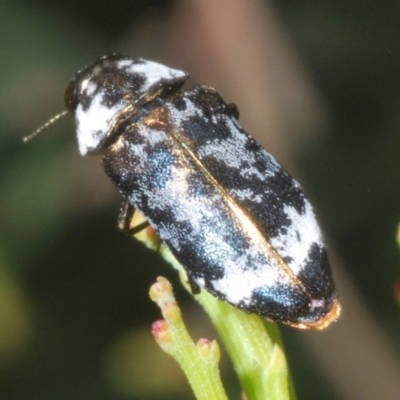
{"points": [[124, 220], [194, 287]]}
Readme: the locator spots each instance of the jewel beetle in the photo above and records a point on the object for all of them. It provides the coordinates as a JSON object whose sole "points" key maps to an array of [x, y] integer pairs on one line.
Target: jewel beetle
{"points": [[239, 224]]}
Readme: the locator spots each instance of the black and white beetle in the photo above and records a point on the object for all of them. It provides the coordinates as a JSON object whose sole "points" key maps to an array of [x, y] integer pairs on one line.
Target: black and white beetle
{"points": [[239, 224]]}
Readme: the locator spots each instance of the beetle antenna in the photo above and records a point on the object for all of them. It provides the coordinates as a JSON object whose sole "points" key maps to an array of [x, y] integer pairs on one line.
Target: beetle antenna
{"points": [[51, 121]]}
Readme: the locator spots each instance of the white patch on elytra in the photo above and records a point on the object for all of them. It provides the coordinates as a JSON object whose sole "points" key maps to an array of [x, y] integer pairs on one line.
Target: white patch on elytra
{"points": [[187, 206], [301, 234], [156, 136], [141, 156], [200, 282], [170, 234], [246, 194], [93, 123], [243, 277], [230, 152], [193, 109]]}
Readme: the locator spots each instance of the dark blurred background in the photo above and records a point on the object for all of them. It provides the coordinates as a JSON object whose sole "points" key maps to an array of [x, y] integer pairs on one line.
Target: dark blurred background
{"points": [[317, 83]]}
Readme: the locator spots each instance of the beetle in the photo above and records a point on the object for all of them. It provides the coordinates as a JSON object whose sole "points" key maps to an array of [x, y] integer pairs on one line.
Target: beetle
{"points": [[239, 224]]}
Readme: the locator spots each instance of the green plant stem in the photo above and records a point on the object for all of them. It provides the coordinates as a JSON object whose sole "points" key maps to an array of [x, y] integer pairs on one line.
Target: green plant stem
{"points": [[199, 362], [254, 346]]}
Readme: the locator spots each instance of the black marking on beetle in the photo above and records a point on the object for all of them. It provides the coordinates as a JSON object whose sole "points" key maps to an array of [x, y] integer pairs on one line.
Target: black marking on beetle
{"points": [[239, 224]]}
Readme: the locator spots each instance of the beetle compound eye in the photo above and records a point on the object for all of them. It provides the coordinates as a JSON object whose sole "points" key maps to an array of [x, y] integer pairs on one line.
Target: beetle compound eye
{"points": [[69, 97]]}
